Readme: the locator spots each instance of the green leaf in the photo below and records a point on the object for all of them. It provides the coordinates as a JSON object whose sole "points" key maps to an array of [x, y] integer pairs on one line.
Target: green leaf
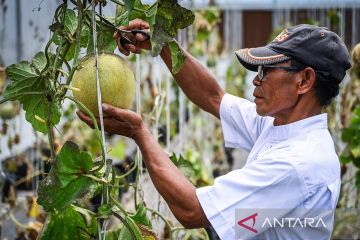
{"points": [[140, 216], [105, 41], [125, 232], [70, 22], [70, 54], [170, 17], [113, 234], [177, 57], [85, 34], [39, 61], [56, 38], [36, 105], [71, 162], [184, 165], [70, 224], [105, 211], [56, 26], [65, 182], [22, 74], [90, 43], [165, 18], [25, 78], [52, 196]]}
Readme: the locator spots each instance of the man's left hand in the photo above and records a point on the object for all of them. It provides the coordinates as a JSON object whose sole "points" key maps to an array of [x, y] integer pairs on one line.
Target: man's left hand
{"points": [[118, 121]]}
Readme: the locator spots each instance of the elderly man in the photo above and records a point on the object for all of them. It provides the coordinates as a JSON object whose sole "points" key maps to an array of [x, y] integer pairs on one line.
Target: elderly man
{"points": [[292, 163]]}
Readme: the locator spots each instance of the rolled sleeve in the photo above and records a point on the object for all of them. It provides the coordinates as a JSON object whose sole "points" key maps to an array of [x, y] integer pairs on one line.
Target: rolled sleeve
{"points": [[240, 123], [266, 183]]}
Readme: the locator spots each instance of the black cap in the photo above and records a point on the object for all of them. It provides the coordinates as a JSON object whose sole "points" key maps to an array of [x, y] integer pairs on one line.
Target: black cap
{"points": [[313, 46]]}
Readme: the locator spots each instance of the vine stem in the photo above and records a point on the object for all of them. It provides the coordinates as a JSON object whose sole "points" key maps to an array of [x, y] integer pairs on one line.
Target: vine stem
{"points": [[126, 225], [50, 129], [77, 48], [167, 223], [95, 178], [16, 222], [117, 204], [89, 113], [128, 172]]}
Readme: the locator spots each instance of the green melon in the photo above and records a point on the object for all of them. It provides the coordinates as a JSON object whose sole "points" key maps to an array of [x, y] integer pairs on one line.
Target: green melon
{"points": [[9, 110], [116, 78]]}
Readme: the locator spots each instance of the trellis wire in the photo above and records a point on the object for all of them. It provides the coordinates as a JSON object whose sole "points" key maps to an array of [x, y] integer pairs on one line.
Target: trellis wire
{"points": [[138, 111], [99, 98]]}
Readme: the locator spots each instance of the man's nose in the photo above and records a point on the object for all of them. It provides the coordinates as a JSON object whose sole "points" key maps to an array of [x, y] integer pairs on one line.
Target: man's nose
{"points": [[256, 81]]}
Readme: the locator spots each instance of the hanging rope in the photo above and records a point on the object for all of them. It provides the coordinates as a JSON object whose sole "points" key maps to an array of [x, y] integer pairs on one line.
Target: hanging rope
{"points": [[139, 191], [105, 196]]}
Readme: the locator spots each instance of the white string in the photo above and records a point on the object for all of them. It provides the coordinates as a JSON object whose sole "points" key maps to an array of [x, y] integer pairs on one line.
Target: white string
{"points": [[99, 98], [138, 111]]}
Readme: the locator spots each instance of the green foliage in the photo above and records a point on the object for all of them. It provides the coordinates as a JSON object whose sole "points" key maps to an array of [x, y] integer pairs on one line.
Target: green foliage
{"points": [[65, 182], [125, 231], [192, 168], [118, 151], [205, 22], [165, 18], [351, 136], [39, 87], [235, 79], [334, 16], [140, 216], [71, 223], [177, 56], [26, 79]]}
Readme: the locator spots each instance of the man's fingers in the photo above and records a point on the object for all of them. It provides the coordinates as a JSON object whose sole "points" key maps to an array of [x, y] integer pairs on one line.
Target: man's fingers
{"points": [[121, 48], [85, 118], [113, 112]]}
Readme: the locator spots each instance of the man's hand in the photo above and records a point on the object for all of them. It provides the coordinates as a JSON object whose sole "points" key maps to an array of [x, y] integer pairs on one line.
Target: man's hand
{"points": [[140, 41], [118, 121]]}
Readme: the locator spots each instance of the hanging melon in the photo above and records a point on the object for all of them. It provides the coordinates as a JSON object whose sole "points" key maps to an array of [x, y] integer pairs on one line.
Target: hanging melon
{"points": [[116, 78], [9, 110]]}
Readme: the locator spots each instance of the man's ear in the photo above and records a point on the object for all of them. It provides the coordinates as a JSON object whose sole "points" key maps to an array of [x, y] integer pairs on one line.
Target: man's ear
{"points": [[306, 81]]}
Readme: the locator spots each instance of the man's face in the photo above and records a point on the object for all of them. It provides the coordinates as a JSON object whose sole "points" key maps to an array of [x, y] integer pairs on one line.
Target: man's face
{"points": [[276, 94]]}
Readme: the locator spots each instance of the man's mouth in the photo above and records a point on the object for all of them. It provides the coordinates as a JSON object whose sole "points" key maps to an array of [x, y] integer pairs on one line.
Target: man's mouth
{"points": [[257, 96]]}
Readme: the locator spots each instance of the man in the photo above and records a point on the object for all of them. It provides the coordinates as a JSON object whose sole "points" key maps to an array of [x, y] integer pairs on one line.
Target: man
{"points": [[292, 163]]}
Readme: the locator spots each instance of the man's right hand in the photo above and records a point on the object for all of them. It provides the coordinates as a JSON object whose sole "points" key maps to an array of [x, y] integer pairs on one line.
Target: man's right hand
{"points": [[140, 40]]}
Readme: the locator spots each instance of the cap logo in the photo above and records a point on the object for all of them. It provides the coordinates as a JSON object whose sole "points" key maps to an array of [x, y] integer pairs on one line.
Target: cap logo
{"points": [[282, 36]]}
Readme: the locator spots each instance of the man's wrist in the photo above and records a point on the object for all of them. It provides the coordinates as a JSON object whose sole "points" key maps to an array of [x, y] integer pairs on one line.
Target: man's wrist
{"points": [[140, 134]]}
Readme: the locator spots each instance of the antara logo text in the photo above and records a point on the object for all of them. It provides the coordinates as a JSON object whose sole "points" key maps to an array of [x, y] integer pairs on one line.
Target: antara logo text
{"points": [[286, 222]]}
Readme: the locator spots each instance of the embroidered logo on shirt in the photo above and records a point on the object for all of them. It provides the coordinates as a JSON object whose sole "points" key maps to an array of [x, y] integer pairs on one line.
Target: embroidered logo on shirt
{"points": [[253, 217]]}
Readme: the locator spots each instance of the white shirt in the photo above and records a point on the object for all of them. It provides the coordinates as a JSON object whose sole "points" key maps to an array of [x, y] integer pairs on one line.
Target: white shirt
{"points": [[290, 166]]}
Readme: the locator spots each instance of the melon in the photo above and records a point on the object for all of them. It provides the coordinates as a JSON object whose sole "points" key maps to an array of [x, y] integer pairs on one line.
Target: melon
{"points": [[9, 110], [117, 82]]}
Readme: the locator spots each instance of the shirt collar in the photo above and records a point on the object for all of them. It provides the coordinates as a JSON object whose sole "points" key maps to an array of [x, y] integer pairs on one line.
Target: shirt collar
{"points": [[283, 132]]}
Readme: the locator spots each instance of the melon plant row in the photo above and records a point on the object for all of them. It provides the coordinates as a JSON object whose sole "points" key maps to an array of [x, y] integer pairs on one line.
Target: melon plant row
{"points": [[41, 86]]}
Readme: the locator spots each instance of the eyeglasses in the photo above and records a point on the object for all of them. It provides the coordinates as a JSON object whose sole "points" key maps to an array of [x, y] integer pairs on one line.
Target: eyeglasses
{"points": [[263, 68]]}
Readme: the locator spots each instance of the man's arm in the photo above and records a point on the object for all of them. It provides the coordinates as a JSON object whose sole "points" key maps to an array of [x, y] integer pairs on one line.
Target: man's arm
{"points": [[197, 82], [178, 192]]}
